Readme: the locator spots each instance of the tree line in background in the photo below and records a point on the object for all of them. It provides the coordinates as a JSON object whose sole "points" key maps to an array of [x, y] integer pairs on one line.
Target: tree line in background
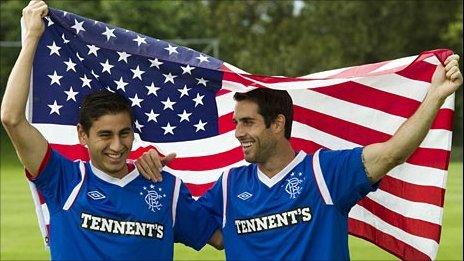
{"points": [[291, 38]]}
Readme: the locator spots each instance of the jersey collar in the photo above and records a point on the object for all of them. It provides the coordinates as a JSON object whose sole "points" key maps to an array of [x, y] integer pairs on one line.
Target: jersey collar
{"points": [[115, 181], [269, 182]]}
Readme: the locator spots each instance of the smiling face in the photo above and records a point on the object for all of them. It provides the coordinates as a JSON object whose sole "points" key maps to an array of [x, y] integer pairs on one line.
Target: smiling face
{"points": [[109, 141], [258, 142]]}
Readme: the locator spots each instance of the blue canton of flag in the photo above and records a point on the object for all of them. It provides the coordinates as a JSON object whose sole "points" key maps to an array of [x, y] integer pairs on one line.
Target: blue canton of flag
{"points": [[171, 88]]}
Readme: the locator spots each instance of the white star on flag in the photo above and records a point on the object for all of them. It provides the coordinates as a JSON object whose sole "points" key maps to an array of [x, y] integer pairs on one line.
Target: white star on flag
{"points": [[85, 81], [184, 91], [55, 108], [139, 40], [54, 49], [79, 57], [121, 84], [64, 39], [169, 129], [70, 65], [136, 101], [171, 49], [93, 50], [71, 94], [187, 69], [152, 89], [50, 22], [198, 100], [152, 116], [123, 56], [109, 33], [202, 81], [184, 116], [202, 58], [138, 126], [169, 78], [106, 66], [95, 75], [78, 26], [200, 126], [168, 104], [55, 78], [137, 73], [155, 63]]}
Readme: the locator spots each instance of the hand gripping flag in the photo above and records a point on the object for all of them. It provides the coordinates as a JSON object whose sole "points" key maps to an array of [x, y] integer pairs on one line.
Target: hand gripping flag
{"points": [[182, 102]]}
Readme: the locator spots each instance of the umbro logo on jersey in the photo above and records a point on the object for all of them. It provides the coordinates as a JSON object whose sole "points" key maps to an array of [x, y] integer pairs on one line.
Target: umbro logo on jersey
{"points": [[95, 195], [245, 195]]}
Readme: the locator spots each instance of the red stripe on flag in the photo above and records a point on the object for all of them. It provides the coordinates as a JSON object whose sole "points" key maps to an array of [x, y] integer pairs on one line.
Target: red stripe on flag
{"points": [[370, 97], [413, 226], [197, 190], [135, 154], [387, 242], [234, 77], [434, 158], [413, 192], [338, 127], [226, 123], [72, 152], [421, 71], [208, 162], [222, 92], [443, 120], [305, 145]]}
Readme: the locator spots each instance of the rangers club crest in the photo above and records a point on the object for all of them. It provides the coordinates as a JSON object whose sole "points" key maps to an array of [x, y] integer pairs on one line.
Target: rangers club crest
{"points": [[293, 185], [153, 197]]}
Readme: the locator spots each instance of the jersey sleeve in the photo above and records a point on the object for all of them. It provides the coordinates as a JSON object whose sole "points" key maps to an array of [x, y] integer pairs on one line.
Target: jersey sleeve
{"points": [[56, 179], [345, 176], [193, 226], [212, 201]]}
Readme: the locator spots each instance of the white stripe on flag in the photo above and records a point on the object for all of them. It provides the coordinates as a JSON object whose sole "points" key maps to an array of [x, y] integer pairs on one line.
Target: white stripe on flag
{"points": [[420, 175], [398, 63], [407, 208], [424, 245]]}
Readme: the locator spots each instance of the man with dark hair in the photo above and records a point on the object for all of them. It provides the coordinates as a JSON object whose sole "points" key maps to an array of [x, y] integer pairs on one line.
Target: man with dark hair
{"points": [[271, 103], [102, 209], [294, 206]]}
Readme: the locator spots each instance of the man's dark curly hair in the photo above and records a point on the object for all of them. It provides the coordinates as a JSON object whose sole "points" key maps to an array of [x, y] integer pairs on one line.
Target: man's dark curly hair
{"points": [[99, 103], [271, 103]]}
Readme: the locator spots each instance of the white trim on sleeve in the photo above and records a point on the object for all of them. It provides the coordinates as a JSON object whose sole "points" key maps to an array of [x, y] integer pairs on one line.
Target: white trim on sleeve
{"points": [[76, 189], [175, 199], [224, 197], [320, 179]]}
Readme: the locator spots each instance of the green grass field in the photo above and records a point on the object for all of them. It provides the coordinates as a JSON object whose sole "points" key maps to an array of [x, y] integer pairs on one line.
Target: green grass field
{"points": [[20, 235]]}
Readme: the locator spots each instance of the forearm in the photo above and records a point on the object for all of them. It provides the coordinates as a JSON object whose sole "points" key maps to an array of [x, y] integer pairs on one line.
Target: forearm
{"points": [[412, 132], [17, 88], [380, 158]]}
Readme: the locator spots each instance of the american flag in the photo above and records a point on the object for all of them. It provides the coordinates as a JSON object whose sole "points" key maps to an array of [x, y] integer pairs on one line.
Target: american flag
{"points": [[182, 101]]}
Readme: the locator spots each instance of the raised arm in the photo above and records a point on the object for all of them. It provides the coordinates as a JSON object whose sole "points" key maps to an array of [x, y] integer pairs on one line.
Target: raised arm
{"points": [[379, 158], [30, 145]]}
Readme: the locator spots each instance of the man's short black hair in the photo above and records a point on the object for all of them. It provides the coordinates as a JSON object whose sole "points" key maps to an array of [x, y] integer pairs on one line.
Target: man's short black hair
{"points": [[271, 103], [99, 103]]}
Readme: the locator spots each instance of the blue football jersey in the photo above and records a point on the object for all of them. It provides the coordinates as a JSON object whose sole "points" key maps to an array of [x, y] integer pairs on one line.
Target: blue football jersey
{"points": [[94, 216], [300, 213]]}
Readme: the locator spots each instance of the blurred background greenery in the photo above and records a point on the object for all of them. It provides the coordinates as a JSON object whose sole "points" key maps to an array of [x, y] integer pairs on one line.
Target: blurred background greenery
{"points": [[291, 38]]}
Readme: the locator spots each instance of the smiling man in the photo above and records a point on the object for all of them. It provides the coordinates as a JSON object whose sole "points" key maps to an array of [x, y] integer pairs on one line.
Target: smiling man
{"points": [[289, 205], [102, 209]]}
